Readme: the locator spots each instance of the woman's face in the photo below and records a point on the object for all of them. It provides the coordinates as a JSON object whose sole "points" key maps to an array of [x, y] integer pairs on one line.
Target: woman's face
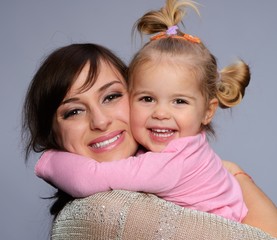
{"points": [[95, 123]]}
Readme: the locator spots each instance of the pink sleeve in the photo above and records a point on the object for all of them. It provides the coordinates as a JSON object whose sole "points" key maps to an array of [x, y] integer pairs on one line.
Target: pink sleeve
{"points": [[69, 172], [81, 176]]}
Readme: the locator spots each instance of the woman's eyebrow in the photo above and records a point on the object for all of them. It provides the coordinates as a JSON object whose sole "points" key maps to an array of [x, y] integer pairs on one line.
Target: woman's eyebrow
{"points": [[69, 100], [105, 86], [101, 89]]}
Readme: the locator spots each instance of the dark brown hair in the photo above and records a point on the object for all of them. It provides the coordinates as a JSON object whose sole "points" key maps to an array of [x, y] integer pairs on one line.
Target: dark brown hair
{"points": [[53, 79]]}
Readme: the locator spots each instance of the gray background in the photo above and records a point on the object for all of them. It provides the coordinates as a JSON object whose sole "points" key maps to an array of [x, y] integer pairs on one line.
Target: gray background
{"points": [[29, 29]]}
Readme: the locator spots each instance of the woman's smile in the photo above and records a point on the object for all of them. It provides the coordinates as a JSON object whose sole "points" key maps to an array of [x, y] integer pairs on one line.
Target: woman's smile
{"points": [[96, 123], [107, 142]]}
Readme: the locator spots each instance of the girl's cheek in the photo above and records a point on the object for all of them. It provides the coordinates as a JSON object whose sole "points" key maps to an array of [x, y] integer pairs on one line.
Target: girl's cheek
{"points": [[124, 111]]}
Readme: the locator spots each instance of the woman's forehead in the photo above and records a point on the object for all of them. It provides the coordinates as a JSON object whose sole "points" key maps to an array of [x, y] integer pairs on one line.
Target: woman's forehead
{"points": [[104, 73]]}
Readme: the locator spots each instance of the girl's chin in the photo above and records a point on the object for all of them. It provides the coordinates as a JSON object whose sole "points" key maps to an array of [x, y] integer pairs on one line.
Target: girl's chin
{"points": [[157, 148]]}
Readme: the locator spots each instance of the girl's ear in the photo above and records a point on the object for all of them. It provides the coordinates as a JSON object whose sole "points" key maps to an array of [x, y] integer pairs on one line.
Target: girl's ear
{"points": [[211, 110]]}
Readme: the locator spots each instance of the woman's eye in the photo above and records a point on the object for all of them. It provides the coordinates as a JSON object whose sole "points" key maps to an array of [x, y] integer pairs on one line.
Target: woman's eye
{"points": [[71, 113], [112, 97], [146, 99]]}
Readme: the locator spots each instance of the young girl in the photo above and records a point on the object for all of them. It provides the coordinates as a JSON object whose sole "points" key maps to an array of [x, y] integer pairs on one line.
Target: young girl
{"points": [[175, 88]]}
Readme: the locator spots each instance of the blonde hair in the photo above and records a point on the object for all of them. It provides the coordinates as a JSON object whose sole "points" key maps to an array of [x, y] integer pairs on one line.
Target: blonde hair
{"points": [[228, 85]]}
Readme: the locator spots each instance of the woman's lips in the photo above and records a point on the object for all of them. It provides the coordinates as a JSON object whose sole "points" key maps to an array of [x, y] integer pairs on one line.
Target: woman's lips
{"points": [[107, 142]]}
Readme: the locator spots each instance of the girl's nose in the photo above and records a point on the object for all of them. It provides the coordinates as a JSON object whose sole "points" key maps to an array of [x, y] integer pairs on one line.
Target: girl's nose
{"points": [[100, 120], [160, 113]]}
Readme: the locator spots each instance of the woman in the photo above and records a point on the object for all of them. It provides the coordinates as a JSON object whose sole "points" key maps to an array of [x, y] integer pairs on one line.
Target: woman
{"points": [[45, 105], [78, 102]]}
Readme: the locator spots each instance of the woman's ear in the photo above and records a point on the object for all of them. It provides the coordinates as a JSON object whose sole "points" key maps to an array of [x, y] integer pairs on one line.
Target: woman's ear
{"points": [[210, 112]]}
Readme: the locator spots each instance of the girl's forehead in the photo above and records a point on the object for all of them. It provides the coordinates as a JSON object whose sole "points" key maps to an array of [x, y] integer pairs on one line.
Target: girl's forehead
{"points": [[167, 61]]}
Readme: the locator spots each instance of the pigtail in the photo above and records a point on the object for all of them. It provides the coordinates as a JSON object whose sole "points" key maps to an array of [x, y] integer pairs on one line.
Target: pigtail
{"points": [[158, 21], [232, 83], [228, 86]]}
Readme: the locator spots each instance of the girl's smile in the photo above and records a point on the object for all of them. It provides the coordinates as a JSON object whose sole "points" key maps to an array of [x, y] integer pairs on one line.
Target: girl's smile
{"points": [[166, 103], [161, 135]]}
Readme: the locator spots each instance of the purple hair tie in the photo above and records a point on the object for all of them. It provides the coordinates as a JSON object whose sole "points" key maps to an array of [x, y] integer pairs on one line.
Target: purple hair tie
{"points": [[172, 30]]}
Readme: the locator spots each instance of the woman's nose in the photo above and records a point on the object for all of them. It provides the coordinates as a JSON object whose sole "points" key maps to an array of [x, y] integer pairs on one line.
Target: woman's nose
{"points": [[100, 120]]}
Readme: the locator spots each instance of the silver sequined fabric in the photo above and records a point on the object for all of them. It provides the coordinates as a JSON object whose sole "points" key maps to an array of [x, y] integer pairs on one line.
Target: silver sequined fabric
{"points": [[123, 215]]}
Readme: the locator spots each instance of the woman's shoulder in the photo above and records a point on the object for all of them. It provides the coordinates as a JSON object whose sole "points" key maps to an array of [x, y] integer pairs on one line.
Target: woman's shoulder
{"points": [[122, 214]]}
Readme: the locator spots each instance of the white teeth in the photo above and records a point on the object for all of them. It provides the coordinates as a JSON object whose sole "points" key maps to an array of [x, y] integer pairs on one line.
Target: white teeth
{"points": [[162, 132], [106, 142]]}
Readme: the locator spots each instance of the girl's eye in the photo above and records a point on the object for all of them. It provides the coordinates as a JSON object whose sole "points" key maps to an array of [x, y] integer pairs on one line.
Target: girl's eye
{"points": [[71, 113], [180, 101], [112, 97], [146, 99]]}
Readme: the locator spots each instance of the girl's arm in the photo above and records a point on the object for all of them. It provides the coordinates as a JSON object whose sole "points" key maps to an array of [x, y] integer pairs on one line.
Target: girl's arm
{"points": [[81, 176], [262, 212]]}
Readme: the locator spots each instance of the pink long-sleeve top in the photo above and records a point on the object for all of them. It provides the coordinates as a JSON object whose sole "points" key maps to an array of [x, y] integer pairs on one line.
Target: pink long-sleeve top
{"points": [[187, 172]]}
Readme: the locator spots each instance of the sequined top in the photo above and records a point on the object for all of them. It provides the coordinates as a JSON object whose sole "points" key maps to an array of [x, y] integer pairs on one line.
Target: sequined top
{"points": [[123, 215]]}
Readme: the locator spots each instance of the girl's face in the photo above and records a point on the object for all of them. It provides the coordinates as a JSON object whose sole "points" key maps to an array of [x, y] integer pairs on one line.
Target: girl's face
{"points": [[95, 123], [166, 103]]}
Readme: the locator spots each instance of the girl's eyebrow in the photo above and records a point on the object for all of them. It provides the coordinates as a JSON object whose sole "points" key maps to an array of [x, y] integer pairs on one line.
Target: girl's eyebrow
{"points": [[176, 95], [140, 92], [184, 95], [101, 89]]}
